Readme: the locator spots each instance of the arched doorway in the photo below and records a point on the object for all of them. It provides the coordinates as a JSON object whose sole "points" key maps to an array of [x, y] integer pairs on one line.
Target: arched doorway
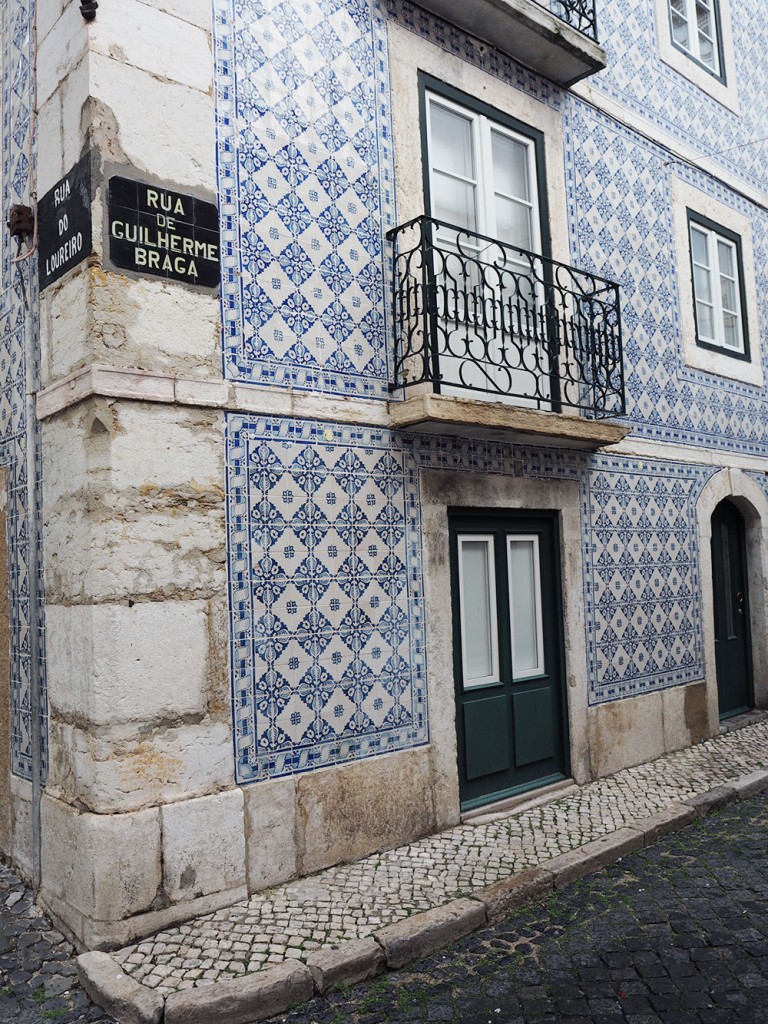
{"points": [[733, 645]]}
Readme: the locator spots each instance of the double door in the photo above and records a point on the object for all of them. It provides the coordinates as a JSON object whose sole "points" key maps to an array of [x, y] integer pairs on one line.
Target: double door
{"points": [[509, 663]]}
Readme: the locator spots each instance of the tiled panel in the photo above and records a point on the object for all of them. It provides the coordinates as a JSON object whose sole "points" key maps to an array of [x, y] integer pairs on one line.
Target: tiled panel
{"points": [[326, 605], [19, 288], [641, 576], [306, 192], [620, 217], [644, 84]]}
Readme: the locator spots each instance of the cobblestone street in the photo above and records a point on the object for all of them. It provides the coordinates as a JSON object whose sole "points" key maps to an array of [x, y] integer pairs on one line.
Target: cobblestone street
{"points": [[38, 977], [352, 901], [675, 934]]}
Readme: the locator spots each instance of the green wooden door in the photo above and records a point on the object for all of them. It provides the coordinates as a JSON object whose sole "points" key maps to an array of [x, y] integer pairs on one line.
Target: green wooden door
{"points": [[733, 655], [508, 653]]}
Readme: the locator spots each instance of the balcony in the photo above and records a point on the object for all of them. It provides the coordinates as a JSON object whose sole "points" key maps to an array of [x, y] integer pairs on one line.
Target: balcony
{"points": [[504, 340], [557, 38]]}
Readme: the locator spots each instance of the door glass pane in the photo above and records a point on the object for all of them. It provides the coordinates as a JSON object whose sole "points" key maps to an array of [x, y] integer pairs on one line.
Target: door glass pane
{"points": [[477, 586], [525, 606], [510, 166]]}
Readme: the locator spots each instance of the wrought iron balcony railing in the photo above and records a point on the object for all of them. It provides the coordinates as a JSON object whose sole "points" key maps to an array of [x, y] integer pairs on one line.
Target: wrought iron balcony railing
{"points": [[475, 315], [580, 14]]}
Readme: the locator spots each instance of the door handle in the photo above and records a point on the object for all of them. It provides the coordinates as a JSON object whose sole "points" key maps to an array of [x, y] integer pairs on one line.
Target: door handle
{"points": [[740, 602]]}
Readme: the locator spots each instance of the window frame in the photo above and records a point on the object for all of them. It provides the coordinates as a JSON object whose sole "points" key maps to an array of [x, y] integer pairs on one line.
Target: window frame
{"points": [[718, 75], [718, 230], [428, 85]]}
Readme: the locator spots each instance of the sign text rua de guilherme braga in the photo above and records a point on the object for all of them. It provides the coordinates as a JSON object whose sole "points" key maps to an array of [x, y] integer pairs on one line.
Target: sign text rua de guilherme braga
{"points": [[153, 230], [64, 224]]}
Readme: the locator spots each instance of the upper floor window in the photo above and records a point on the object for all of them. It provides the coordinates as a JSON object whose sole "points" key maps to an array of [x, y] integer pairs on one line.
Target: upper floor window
{"points": [[695, 29], [718, 287], [482, 175]]}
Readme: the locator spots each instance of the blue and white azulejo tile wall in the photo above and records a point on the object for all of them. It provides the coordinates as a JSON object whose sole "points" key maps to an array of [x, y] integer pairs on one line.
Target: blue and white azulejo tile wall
{"points": [[19, 290], [327, 614], [306, 192], [327, 619]]}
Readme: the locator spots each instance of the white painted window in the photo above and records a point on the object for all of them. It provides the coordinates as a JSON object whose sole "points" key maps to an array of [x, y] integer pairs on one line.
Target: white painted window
{"points": [[717, 289], [477, 601], [482, 175], [694, 27], [483, 179], [525, 611]]}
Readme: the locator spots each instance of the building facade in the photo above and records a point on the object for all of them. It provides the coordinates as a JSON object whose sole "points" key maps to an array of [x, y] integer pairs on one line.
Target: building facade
{"points": [[428, 472]]}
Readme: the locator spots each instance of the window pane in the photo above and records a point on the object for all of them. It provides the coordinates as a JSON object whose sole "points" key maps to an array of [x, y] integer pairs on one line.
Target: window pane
{"points": [[725, 257], [510, 166], [731, 332], [513, 222], [704, 18], [451, 142], [525, 608], [701, 284], [478, 610], [706, 52], [704, 321], [454, 201], [728, 294], [699, 247], [679, 30]]}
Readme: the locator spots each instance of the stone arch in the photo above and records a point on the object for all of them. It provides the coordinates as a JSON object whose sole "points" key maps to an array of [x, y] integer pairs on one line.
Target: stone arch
{"points": [[739, 488]]}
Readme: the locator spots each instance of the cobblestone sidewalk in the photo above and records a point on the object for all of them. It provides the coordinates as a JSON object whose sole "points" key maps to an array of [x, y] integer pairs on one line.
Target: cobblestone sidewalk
{"points": [[354, 900]]}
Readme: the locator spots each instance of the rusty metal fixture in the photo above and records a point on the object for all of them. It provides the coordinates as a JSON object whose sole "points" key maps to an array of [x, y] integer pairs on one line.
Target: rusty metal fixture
{"points": [[21, 221]]}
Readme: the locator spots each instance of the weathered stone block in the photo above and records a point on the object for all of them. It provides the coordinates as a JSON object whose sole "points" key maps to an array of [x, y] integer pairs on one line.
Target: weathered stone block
{"points": [[254, 997], [142, 32], [203, 846], [105, 866], [353, 809], [704, 803], [114, 663], [111, 989], [270, 832], [423, 934], [123, 769], [625, 732]]}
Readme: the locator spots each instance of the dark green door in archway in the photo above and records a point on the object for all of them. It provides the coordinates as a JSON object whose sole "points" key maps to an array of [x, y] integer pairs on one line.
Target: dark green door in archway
{"points": [[731, 599], [508, 653]]}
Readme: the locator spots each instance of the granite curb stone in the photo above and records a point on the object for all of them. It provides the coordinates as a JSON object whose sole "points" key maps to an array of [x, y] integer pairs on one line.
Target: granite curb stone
{"points": [[422, 934], [704, 803], [751, 785], [503, 897], [671, 819], [243, 1000], [111, 988], [346, 964], [595, 855]]}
